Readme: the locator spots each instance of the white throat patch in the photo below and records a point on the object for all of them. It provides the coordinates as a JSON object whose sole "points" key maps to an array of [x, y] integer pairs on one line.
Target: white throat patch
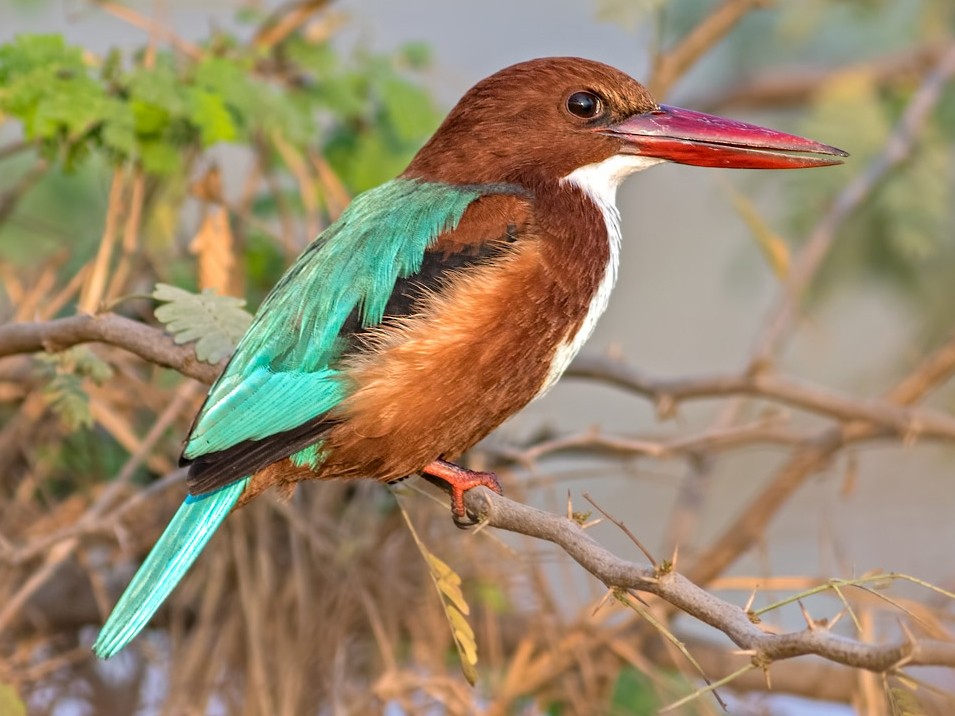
{"points": [[599, 182]]}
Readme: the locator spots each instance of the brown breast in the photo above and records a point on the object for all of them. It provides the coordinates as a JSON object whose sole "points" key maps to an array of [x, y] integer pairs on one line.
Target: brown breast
{"points": [[478, 351]]}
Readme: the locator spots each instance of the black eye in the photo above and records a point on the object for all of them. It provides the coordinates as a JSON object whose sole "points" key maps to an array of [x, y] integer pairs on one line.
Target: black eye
{"points": [[585, 105]]}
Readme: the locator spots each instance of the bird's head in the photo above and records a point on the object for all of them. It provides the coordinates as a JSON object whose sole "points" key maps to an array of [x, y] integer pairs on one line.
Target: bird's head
{"points": [[541, 120]]}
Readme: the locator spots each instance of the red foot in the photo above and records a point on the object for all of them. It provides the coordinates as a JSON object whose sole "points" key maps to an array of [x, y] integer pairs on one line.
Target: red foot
{"points": [[460, 481]]}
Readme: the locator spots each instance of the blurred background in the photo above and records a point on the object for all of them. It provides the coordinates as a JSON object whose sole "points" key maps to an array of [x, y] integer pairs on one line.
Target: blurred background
{"points": [[204, 144]]}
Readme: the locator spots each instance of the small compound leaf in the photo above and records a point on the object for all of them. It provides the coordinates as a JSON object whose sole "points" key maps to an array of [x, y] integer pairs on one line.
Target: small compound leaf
{"points": [[65, 392], [214, 322], [903, 702], [448, 584]]}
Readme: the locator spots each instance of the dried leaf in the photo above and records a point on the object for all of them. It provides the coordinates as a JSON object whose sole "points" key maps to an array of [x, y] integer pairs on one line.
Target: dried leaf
{"points": [[448, 584], [774, 248], [215, 247], [215, 322], [903, 702], [10, 702]]}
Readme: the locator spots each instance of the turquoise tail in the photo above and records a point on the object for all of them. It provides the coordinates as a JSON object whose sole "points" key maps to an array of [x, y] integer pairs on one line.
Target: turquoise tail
{"points": [[185, 537]]}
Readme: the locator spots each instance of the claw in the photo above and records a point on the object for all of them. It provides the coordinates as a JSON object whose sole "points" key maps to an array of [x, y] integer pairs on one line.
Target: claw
{"points": [[460, 480]]}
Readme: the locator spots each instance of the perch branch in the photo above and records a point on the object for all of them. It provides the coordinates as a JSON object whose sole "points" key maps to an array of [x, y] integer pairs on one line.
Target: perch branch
{"points": [[763, 647]]}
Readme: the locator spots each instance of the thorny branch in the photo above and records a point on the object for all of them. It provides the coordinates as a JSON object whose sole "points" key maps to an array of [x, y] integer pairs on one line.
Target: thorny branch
{"points": [[816, 451], [761, 646]]}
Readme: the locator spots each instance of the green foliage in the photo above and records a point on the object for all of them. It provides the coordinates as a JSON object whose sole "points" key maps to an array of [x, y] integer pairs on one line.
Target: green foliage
{"points": [[214, 322], [628, 13], [64, 391], [390, 118], [73, 104], [633, 694]]}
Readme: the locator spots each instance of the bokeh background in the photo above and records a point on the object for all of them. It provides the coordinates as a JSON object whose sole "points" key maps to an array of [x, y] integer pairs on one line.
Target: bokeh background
{"points": [[213, 140]]}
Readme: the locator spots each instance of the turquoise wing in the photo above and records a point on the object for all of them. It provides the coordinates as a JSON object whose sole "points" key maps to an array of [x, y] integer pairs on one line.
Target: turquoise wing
{"points": [[180, 544], [282, 378]]}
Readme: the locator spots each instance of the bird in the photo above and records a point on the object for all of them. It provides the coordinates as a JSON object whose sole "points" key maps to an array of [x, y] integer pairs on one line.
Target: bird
{"points": [[439, 303]]}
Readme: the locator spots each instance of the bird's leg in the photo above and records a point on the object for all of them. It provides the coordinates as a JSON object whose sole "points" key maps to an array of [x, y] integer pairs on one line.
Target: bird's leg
{"points": [[460, 480]]}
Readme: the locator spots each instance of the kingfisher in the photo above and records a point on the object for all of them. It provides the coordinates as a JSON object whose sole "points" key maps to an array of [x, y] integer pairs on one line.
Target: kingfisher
{"points": [[441, 302]]}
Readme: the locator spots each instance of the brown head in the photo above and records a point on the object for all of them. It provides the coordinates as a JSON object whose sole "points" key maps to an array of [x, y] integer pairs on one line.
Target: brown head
{"points": [[538, 121]]}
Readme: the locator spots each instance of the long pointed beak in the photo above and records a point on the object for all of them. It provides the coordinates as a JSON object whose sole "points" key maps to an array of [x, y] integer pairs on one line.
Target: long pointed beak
{"points": [[705, 140]]}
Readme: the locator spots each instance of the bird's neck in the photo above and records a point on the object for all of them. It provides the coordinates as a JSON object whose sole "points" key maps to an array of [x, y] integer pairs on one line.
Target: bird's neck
{"points": [[580, 213]]}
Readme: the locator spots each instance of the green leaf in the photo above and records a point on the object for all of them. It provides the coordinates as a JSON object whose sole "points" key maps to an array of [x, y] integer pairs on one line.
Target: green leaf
{"points": [[212, 117], [417, 55], [629, 13], [26, 53], [66, 397], [214, 322], [633, 693], [409, 108], [159, 157], [64, 392]]}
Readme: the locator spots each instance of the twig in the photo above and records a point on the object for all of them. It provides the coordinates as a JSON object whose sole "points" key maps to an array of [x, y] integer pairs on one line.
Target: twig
{"points": [[154, 28], [623, 528], [763, 385], [10, 198], [743, 532], [93, 290], [671, 65], [284, 21]]}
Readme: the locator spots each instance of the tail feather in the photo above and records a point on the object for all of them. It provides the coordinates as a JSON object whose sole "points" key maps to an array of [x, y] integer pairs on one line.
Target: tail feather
{"points": [[184, 538]]}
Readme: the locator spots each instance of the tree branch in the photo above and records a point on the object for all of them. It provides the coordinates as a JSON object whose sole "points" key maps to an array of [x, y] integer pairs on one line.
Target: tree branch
{"points": [[763, 647], [149, 343], [782, 88], [667, 392], [670, 66]]}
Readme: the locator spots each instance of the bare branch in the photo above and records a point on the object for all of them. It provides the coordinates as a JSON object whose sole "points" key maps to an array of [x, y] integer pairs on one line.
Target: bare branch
{"points": [[149, 343], [743, 532], [765, 385]]}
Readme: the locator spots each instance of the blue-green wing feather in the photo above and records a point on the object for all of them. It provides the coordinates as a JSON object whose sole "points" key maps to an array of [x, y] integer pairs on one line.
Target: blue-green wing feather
{"points": [[282, 374], [184, 538]]}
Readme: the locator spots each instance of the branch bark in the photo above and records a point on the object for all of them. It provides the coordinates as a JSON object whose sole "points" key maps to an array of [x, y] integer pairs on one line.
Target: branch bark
{"points": [[149, 343]]}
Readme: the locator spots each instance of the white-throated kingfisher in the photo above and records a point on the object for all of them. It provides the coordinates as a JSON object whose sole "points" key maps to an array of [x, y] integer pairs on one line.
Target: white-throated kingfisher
{"points": [[439, 303]]}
